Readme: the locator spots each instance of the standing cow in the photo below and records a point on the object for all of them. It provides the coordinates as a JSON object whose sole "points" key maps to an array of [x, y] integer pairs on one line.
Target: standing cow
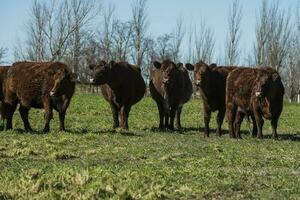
{"points": [[253, 92], [170, 87], [122, 85], [45, 85], [211, 81]]}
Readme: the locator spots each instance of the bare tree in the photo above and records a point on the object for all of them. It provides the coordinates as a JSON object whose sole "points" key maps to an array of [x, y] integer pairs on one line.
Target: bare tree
{"points": [[178, 36], [278, 37], [273, 31], [204, 43], [232, 51], [164, 47], [190, 52], [36, 43], [293, 62], [55, 26], [140, 26], [150, 56], [121, 39], [261, 34], [106, 35], [81, 13]]}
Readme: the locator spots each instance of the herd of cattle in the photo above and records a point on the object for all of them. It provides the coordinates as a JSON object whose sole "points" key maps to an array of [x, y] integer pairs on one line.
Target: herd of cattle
{"points": [[236, 91]]}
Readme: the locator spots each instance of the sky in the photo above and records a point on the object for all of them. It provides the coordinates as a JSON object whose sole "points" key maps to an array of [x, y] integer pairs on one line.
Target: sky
{"points": [[162, 16]]}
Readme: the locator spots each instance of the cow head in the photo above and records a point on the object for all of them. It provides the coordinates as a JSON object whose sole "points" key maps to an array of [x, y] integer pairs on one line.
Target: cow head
{"points": [[60, 76], [101, 72], [263, 90], [264, 81], [168, 70], [201, 72]]}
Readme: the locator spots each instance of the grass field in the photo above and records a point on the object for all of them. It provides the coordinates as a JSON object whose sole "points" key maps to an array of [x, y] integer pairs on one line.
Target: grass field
{"points": [[91, 161]]}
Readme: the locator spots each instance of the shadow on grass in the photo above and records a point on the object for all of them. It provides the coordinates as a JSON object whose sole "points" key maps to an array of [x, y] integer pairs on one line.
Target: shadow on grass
{"points": [[181, 131], [186, 130], [104, 131], [23, 131], [285, 136]]}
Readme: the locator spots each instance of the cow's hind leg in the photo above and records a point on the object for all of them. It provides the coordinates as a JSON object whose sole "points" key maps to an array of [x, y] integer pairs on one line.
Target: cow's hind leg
{"points": [[24, 115], [125, 110], [274, 123], [237, 124], [231, 112], [62, 115], [178, 113], [167, 118], [9, 112], [220, 119], [115, 112]]}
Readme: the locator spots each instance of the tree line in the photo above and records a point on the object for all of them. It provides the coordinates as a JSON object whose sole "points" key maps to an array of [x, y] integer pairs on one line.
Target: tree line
{"points": [[80, 32]]}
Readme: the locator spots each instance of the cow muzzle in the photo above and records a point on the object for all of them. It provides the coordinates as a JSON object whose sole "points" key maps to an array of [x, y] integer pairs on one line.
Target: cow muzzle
{"points": [[258, 94], [197, 82], [92, 80], [165, 81], [52, 93]]}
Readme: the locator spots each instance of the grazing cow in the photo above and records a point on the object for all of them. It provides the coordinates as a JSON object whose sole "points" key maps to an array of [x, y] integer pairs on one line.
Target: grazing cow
{"points": [[253, 92], [211, 81], [45, 85], [3, 72], [122, 85], [170, 87]]}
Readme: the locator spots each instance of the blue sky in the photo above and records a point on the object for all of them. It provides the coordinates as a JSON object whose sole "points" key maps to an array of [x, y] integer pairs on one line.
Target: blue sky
{"points": [[162, 14]]}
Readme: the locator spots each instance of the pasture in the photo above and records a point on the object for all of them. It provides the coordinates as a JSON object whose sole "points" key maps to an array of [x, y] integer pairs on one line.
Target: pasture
{"points": [[92, 160]]}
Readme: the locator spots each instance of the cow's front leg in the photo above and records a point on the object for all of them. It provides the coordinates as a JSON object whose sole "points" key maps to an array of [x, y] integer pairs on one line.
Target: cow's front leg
{"points": [[24, 115], [172, 117], [207, 115], [48, 115], [178, 114], [259, 123], [220, 118]]}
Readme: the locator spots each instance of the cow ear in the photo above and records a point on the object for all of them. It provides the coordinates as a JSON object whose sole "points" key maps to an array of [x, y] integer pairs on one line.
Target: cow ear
{"points": [[102, 62], [157, 64], [275, 76], [92, 66], [202, 62], [189, 66], [178, 65], [112, 64], [51, 71], [73, 77], [213, 65]]}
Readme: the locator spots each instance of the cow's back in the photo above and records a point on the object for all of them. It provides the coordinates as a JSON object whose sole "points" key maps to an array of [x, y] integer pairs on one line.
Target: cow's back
{"points": [[239, 87], [214, 94], [27, 78], [30, 81], [131, 86]]}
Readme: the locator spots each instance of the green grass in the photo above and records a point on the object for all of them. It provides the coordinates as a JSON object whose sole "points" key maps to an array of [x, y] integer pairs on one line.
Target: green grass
{"points": [[91, 161]]}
